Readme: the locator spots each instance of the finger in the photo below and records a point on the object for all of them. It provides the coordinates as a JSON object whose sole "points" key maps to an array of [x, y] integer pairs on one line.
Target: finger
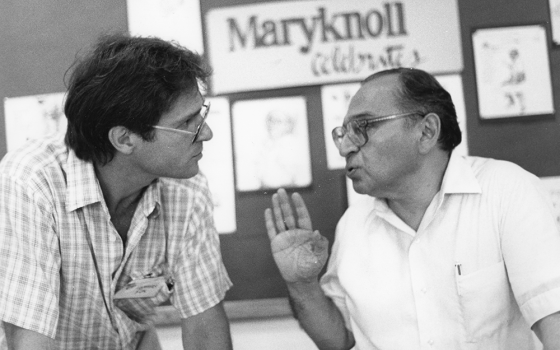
{"points": [[287, 212], [277, 213], [270, 228], [304, 220]]}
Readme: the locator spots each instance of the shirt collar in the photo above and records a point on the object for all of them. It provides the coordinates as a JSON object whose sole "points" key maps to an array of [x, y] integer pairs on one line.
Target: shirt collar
{"points": [[459, 177], [151, 199], [83, 187]]}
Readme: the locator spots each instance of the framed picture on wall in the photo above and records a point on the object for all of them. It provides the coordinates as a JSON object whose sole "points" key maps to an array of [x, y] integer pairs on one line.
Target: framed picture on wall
{"points": [[271, 143], [512, 71]]}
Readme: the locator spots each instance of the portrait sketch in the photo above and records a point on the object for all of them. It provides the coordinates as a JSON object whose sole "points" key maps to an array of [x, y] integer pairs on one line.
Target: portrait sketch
{"points": [[512, 71], [271, 143]]}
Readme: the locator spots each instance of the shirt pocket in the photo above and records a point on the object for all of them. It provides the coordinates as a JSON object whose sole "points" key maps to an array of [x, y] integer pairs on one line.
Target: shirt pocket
{"points": [[486, 302]]}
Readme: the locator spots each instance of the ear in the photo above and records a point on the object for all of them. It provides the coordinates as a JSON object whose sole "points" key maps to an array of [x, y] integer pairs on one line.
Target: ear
{"points": [[431, 129], [122, 139]]}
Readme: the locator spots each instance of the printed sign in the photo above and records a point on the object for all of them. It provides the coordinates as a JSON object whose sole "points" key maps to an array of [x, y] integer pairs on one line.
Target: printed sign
{"points": [[263, 46]]}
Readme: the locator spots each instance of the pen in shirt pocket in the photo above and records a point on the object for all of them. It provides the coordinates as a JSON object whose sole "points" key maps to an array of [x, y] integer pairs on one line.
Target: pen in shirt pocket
{"points": [[458, 267]]}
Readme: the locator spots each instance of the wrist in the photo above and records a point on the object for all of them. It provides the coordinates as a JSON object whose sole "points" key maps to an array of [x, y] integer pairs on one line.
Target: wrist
{"points": [[302, 289]]}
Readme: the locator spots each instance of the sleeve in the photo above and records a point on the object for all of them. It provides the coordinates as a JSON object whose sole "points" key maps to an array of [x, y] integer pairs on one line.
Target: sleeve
{"points": [[531, 248], [201, 279], [29, 258]]}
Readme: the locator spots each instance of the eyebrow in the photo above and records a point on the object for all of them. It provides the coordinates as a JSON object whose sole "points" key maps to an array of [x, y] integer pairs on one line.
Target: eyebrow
{"points": [[190, 116]]}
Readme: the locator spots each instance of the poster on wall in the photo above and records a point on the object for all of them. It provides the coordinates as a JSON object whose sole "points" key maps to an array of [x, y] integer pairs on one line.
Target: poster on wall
{"points": [[217, 165], [335, 100], [172, 20], [512, 71], [555, 20], [326, 42], [33, 117], [271, 143]]}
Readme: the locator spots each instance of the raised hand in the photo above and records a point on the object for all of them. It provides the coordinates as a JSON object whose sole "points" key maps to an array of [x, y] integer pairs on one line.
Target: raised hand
{"points": [[299, 252]]}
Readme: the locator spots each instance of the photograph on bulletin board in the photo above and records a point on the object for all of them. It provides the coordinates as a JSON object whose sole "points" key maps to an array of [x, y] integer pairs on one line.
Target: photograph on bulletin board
{"points": [[217, 165], [271, 143], [335, 100], [33, 117], [512, 72]]}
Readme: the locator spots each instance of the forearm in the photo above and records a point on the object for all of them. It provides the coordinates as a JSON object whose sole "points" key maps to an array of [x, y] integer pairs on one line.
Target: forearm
{"points": [[21, 339], [548, 331], [208, 330], [319, 316]]}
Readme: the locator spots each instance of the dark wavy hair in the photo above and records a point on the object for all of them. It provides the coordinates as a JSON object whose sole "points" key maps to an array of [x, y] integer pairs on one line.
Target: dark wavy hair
{"points": [[421, 92], [125, 81]]}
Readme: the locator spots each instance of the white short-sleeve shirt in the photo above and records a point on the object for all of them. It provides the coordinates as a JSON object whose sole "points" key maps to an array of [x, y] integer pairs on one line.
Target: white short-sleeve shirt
{"points": [[483, 266]]}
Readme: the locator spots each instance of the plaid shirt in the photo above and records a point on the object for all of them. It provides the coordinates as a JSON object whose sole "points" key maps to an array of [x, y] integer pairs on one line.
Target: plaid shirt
{"points": [[61, 259]]}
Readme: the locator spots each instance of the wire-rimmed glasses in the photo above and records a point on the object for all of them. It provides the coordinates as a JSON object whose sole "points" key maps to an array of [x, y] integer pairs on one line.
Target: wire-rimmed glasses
{"points": [[356, 129], [203, 114]]}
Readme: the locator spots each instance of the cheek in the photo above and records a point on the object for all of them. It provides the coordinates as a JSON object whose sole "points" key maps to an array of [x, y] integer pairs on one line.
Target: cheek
{"points": [[387, 157]]}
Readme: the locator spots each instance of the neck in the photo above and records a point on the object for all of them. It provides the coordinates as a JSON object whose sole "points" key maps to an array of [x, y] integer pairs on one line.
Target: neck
{"points": [[415, 197], [121, 187]]}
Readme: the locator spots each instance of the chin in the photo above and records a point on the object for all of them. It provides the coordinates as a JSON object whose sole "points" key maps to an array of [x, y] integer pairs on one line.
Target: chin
{"points": [[357, 188], [186, 174]]}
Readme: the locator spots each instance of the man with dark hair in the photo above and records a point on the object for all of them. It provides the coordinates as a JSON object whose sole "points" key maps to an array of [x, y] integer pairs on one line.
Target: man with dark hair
{"points": [[97, 231], [447, 252]]}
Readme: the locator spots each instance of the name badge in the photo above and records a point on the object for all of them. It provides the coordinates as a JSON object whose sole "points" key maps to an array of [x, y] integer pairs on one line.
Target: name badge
{"points": [[142, 288]]}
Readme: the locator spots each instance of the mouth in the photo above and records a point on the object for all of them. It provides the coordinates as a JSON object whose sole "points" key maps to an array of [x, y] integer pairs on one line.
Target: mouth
{"points": [[350, 170]]}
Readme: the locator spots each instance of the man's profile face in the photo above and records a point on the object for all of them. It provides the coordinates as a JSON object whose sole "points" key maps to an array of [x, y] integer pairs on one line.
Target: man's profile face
{"points": [[172, 154], [380, 167]]}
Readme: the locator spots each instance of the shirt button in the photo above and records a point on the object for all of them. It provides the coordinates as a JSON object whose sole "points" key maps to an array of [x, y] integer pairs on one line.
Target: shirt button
{"points": [[423, 290], [113, 238], [431, 342]]}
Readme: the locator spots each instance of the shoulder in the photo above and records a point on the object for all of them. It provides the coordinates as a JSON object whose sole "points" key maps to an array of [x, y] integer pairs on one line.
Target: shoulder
{"points": [[194, 189], [37, 162], [500, 173], [355, 217]]}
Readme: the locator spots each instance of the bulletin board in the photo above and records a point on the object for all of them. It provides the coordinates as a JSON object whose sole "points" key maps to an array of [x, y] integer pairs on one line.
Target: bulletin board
{"points": [[41, 37]]}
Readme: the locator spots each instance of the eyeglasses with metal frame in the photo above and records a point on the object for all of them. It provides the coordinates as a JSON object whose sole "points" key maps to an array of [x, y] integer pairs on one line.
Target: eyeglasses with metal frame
{"points": [[203, 114], [356, 129]]}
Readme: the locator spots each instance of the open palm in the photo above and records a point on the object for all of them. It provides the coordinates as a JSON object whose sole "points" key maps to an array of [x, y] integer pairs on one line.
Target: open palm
{"points": [[299, 252]]}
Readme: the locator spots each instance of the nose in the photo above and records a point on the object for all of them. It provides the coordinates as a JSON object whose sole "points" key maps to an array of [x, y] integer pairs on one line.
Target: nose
{"points": [[206, 133], [347, 147]]}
